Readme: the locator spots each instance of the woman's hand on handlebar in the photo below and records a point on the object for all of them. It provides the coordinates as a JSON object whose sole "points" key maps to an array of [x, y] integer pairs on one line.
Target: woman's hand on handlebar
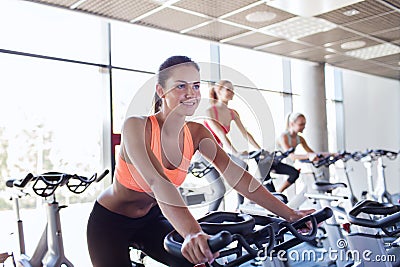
{"points": [[312, 156], [196, 250], [244, 153], [298, 214]]}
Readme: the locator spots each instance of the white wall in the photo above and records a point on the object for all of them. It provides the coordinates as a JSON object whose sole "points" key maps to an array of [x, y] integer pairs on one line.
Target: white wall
{"points": [[372, 120]]}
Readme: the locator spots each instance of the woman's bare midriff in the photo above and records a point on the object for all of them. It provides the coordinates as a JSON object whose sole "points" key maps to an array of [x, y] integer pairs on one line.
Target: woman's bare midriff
{"points": [[127, 202]]}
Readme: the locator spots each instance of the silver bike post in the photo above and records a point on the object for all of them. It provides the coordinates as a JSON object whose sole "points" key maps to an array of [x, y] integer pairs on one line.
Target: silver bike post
{"points": [[368, 165], [380, 191], [20, 226], [55, 255]]}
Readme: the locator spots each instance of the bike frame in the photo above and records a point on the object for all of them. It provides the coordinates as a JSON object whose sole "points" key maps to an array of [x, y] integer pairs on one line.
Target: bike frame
{"points": [[49, 251], [379, 192]]}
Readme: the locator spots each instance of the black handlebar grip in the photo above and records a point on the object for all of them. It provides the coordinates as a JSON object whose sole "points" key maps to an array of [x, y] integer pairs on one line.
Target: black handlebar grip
{"points": [[314, 218], [219, 241], [320, 216], [173, 242], [10, 182], [22, 183], [101, 176]]}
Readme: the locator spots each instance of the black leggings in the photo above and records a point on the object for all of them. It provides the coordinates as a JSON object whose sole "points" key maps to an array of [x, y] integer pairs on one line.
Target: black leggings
{"points": [[280, 168], [109, 236]]}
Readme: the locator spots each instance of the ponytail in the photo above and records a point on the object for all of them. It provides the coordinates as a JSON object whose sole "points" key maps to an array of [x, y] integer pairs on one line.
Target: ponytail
{"points": [[213, 95], [157, 103]]}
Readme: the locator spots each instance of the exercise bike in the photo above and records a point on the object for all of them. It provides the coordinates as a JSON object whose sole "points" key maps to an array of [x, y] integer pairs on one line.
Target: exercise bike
{"points": [[379, 191], [335, 228], [250, 240], [265, 162], [199, 195], [343, 157], [49, 251], [210, 191], [371, 219]]}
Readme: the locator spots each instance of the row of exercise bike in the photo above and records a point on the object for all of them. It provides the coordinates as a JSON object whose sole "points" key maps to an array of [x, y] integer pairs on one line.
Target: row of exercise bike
{"points": [[366, 235]]}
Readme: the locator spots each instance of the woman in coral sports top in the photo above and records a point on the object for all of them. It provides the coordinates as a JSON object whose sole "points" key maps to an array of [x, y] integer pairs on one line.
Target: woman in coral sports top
{"points": [[219, 120], [143, 204], [220, 117]]}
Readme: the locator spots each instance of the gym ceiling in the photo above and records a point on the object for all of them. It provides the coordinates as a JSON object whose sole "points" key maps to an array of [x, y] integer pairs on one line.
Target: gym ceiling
{"points": [[363, 36]]}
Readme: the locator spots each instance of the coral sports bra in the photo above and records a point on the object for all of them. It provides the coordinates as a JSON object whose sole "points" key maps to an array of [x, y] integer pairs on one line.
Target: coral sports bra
{"points": [[226, 128], [128, 176]]}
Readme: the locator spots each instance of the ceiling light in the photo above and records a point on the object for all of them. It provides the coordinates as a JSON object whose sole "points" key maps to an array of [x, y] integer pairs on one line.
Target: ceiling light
{"points": [[311, 8], [162, 2], [260, 16], [330, 50], [298, 27], [353, 45], [76, 4], [375, 51], [351, 12]]}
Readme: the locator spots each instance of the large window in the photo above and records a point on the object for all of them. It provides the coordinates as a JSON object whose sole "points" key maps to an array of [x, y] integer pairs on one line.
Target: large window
{"points": [[128, 85], [334, 108], [276, 104], [262, 70], [51, 117], [258, 77], [143, 48], [44, 30]]}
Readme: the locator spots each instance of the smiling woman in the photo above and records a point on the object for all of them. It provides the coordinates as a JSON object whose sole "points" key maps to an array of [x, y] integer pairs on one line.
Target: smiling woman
{"points": [[154, 157]]}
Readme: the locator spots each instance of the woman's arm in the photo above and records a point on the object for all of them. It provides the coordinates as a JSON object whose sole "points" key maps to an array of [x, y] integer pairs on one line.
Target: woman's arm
{"points": [[305, 145], [284, 143], [243, 182], [244, 132], [311, 153], [136, 138]]}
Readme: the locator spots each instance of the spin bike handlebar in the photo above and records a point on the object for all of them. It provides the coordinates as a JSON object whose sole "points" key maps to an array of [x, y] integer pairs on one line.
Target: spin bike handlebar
{"points": [[322, 161], [377, 153], [370, 207], [199, 169], [345, 156], [227, 227], [276, 156], [45, 185], [330, 159]]}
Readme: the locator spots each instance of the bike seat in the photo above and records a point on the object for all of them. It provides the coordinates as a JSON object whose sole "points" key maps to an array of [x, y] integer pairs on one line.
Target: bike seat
{"points": [[327, 186]]}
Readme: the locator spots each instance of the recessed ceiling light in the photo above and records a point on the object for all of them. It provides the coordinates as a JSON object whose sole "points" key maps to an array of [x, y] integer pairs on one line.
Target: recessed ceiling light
{"points": [[330, 50], [161, 2], [375, 51], [298, 27], [351, 12], [353, 45], [260, 16]]}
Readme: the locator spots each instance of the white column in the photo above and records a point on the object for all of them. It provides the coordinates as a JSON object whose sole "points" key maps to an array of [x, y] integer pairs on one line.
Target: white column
{"points": [[309, 80]]}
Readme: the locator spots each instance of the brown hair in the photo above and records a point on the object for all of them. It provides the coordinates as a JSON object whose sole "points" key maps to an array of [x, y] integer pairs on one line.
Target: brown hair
{"points": [[164, 72]]}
